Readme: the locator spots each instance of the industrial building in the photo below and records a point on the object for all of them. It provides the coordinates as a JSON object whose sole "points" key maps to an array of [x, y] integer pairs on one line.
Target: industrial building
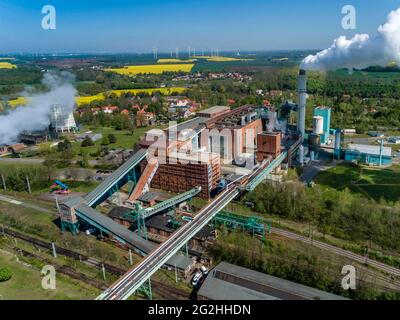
{"points": [[230, 282], [268, 145], [216, 137], [34, 137], [62, 119], [369, 154], [187, 172]]}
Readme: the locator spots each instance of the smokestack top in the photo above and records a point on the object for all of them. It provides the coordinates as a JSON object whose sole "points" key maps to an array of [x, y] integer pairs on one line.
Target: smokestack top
{"points": [[302, 72]]}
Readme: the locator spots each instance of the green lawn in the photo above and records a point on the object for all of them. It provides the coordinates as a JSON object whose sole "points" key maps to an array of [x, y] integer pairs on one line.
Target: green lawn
{"points": [[26, 280], [125, 139], [374, 183]]}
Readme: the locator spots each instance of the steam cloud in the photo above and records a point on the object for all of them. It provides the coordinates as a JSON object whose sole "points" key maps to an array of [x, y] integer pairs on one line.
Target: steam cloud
{"points": [[36, 115], [361, 51]]}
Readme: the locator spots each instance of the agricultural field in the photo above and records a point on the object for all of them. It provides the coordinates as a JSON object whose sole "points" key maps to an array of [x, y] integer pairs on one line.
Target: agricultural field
{"points": [[175, 60], [101, 96], [150, 91], [223, 59], [26, 280], [20, 101], [152, 69], [373, 183], [7, 65]]}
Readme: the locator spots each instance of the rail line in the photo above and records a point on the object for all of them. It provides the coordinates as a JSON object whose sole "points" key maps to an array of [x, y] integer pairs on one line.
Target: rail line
{"points": [[161, 289], [356, 257]]}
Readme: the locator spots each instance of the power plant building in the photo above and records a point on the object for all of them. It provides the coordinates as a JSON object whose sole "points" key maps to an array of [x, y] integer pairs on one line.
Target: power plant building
{"points": [[370, 155]]}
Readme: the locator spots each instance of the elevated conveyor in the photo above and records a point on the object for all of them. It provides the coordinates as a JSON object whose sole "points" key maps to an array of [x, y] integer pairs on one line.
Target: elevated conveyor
{"points": [[116, 180], [267, 168], [124, 235], [148, 212], [143, 185]]}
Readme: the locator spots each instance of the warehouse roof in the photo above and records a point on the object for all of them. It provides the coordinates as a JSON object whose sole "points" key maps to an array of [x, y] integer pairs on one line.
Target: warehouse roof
{"points": [[230, 282], [370, 149], [160, 222]]}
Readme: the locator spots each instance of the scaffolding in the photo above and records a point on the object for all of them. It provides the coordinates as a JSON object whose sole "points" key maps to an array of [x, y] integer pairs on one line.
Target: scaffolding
{"points": [[253, 225], [145, 289], [71, 226], [139, 216]]}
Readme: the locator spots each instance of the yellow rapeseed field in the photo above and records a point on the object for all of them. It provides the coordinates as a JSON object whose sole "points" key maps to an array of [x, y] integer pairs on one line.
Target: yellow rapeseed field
{"points": [[7, 65], [175, 60], [152, 69], [101, 96], [20, 101], [222, 59]]}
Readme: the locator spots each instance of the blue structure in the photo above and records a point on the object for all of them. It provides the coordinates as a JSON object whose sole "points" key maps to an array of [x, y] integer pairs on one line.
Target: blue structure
{"points": [[324, 112], [370, 155]]}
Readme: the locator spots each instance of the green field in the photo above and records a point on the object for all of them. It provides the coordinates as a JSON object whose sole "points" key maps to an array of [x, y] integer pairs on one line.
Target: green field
{"points": [[373, 183], [125, 139], [25, 284]]}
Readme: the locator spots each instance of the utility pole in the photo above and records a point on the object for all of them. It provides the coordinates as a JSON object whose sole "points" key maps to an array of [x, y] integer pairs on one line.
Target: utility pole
{"points": [[104, 271], [130, 257], [28, 184], [58, 206], [4, 182], [54, 250]]}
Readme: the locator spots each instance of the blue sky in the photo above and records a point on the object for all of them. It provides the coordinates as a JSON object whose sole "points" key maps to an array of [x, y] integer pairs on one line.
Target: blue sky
{"points": [[138, 26]]}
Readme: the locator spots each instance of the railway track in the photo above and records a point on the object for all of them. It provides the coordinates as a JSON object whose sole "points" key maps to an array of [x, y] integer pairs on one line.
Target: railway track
{"points": [[356, 257], [162, 290]]}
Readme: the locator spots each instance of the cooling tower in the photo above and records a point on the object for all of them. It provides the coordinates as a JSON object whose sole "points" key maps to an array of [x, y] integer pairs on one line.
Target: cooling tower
{"points": [[61, 119]]}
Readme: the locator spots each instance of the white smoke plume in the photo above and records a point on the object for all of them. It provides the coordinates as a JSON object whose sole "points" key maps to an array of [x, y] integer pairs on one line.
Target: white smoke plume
{"points": [[36, 114], [361, 51]]}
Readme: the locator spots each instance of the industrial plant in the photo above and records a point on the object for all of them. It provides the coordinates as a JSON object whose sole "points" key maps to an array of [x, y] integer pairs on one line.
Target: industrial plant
{"points": [[144, 165]]}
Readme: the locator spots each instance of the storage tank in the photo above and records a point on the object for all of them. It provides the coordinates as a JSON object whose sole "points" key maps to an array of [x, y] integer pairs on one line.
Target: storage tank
{"points": [[336, 151], [318, 125], [301, 154], [314, 139]]}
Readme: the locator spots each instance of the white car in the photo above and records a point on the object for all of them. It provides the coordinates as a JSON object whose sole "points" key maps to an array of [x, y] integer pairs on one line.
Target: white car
{"points": [[204, 270], [196, 278]]}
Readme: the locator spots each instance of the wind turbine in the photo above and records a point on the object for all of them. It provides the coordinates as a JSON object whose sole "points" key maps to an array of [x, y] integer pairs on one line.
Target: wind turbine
{"points": [[155, 51], [177, 53]]}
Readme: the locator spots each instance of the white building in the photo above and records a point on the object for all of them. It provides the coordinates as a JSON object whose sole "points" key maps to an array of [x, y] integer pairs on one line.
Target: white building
{"points": [[61, 119]]}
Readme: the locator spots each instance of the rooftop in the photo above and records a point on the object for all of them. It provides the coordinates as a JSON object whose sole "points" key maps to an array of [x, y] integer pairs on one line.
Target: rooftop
{"points": [[230, 282], [370, 149]]}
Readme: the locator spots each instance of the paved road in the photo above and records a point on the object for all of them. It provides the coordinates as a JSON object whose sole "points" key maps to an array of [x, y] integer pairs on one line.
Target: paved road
{"points": [[312, 170], [37, 161], [24, 204]]}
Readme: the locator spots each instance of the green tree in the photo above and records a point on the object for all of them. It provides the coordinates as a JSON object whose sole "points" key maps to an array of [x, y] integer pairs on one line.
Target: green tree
{"points": [[112, 138], [5, 274], [87, 142], [105, 141]]}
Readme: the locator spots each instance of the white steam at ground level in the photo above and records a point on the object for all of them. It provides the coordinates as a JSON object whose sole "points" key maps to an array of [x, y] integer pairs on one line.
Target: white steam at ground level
{"points": [[361, 51], [36, 115]]}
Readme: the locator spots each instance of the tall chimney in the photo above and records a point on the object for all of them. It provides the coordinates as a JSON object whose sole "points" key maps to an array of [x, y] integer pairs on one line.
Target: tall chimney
{"points": [[301, 109]]}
